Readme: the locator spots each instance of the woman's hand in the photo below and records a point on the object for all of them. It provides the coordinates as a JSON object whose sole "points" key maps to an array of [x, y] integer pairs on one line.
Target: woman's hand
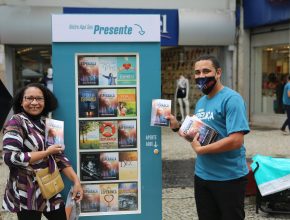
{"points": [[54, 149], [39, 155], [77, 192]]}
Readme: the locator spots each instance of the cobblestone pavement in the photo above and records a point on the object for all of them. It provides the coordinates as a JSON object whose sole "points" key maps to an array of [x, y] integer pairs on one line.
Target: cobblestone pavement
{"points": [[178, 160]]}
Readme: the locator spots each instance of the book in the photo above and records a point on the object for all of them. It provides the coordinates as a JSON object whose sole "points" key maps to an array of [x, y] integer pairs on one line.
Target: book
{"points": [[193, 125], [90, 169], [88, 70], [109, 165], [127, 102], [128, 196], [108, 134], [89, 135], [109, 197], [88, 103], [108, 70], [161, 108], [128, 165], [126, 70], [54, 132], [107, 102], [127, 134], [91, 198]]}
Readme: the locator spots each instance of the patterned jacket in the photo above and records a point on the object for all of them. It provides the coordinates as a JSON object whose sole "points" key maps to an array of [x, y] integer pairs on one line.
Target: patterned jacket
{"points": [[23, 135]]}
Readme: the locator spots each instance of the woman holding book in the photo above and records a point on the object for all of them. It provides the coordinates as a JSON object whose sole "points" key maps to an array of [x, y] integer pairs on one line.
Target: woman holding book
{"points": [[24, 152], [220, 168]]}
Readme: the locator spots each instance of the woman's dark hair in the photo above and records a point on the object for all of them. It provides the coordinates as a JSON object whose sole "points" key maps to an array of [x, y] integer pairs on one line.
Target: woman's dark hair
{"points": [[213, 59], [50, 101]]}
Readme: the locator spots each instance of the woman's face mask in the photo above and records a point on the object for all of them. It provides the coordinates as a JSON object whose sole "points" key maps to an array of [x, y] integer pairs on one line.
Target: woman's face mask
{"points": [[206, 84]]}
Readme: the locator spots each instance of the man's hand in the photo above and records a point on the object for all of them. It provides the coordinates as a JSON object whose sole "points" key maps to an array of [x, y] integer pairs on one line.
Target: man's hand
{"points": [[174, 124], [196, 145]]}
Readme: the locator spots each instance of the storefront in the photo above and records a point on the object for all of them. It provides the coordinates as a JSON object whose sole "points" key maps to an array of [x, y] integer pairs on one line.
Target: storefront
{"points": [[269, 62], [204, 28], [30, 64]]}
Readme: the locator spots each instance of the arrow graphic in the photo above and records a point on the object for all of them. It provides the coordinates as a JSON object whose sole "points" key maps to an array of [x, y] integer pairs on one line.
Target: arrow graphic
{"points": [[141, 32]]}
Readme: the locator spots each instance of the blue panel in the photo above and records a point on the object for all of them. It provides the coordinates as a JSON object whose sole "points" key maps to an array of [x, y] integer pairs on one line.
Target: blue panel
{"points": [[63, 56], [169, 20], [265, 12]]}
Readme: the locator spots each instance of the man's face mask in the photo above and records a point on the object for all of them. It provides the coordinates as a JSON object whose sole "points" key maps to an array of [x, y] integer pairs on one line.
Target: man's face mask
{"points": [[206, 84]]}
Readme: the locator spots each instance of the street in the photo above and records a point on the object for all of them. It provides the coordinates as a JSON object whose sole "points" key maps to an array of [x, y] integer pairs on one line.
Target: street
{"points": [[178, 162]]}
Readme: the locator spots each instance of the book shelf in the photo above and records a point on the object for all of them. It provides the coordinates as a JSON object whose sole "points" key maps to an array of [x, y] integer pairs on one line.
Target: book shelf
{"points": [[108, 157]]}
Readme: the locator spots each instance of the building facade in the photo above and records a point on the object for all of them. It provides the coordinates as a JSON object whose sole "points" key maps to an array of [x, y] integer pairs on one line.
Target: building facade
{"points": [[188, 30], [264, 58]]}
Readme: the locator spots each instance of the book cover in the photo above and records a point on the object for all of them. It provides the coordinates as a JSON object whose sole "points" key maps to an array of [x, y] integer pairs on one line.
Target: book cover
{"points": [[128, 196], [108, 103], [109, 165], [108, 71], [127, 134], [161, 108], [193, 125], [126, 70], [128, 165], [89, 135], [54, 132], [91, 198], [88, 70], [88, 103], [109, 197], [90, 169], [127, 102], [108, 134]]}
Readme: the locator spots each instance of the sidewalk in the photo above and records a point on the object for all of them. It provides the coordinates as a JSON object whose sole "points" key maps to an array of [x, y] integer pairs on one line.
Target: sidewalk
{"points": [[178, 161]]}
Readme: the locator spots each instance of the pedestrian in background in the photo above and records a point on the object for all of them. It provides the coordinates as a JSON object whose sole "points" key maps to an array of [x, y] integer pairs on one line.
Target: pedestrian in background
{"points": [[286, 102], [220, 168], [25, 151]]}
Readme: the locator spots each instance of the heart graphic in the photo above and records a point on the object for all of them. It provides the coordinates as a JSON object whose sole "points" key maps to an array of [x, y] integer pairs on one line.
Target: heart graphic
{"points": [[108, 198], [127, 66]]}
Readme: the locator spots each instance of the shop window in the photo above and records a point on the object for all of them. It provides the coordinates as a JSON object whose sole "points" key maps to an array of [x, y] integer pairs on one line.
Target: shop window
{"points": [[178, 61], [275, 69], [30, 64]]}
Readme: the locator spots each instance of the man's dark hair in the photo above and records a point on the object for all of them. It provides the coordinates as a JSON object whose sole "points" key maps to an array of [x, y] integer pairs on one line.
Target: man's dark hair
{"points": [[50, 101], [213, 59]]}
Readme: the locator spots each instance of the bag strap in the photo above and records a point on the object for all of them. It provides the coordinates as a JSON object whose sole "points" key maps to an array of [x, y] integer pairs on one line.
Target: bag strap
{"points": [[256, 168]]}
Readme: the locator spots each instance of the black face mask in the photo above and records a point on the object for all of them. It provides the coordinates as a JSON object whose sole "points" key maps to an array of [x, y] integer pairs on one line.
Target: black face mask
{"points": [[206, 84]]}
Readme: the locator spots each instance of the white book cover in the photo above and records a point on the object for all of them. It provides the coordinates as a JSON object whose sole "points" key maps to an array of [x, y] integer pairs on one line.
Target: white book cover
{"points": [[161, 109], [54, 132], [193, 125]]}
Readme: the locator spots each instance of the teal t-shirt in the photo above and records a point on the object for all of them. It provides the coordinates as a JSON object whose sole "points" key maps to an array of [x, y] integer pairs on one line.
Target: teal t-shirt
{"points": [[286, 99], [226, 113]]}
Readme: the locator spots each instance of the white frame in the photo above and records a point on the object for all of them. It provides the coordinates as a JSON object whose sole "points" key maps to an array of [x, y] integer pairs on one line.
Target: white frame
{"points": [[138, 148]]}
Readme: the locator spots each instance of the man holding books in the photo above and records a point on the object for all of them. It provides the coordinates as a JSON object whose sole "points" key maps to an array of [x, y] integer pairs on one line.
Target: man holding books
{"points": [[221, 168]]}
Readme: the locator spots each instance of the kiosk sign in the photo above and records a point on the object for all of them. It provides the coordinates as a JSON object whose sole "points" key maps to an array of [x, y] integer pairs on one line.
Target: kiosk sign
{"points": [[105, 28]]}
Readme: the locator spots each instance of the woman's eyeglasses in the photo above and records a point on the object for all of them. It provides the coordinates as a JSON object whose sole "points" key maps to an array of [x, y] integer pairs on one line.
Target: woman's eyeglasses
{"points": [[31, 99]]}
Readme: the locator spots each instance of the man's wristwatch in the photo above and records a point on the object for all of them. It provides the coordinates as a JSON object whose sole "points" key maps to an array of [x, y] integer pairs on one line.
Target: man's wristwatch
{"points": [[176, 129]]}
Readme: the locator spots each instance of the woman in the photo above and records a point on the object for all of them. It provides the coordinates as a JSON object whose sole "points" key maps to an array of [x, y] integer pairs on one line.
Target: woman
{"points": [[25, 151]]}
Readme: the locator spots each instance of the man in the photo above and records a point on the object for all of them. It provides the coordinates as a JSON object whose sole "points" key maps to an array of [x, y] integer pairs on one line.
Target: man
{"points": [[220, 168], [286, 102]]}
